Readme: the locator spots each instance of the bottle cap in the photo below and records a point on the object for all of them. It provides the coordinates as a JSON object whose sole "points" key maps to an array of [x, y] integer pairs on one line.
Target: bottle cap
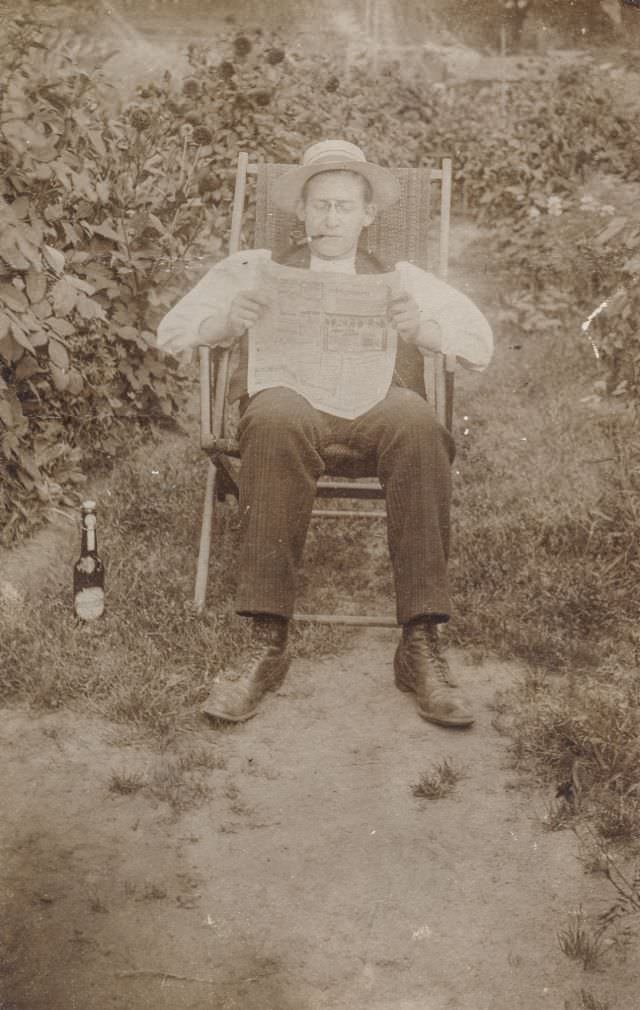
{"points": [[88, 506]]}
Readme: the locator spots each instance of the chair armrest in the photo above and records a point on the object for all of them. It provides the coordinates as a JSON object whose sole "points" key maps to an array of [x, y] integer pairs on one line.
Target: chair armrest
{"points": [[220, 446]]}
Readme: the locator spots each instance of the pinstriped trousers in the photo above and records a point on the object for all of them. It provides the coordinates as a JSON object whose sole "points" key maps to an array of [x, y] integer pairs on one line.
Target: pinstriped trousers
{"points": [[281, 438]]}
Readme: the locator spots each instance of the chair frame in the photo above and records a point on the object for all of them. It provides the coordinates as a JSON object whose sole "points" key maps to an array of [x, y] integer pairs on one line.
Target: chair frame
{"points": [[214, 366]]}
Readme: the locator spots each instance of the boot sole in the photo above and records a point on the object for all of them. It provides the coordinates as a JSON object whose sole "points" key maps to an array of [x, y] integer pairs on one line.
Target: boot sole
{"points": [[276, 676], [409, 688]]}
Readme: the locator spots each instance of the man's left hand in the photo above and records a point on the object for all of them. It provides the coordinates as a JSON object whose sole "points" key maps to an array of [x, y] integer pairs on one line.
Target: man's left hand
{"points": [[405, 316]]}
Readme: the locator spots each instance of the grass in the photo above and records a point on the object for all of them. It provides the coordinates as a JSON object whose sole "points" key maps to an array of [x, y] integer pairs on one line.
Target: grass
{"points": [[439, 781], [545, 559], [180, 782], [150, 891], [546, 569], [151, 659], [126, 783], [579, 734], [579, 943], [586, 1000]]}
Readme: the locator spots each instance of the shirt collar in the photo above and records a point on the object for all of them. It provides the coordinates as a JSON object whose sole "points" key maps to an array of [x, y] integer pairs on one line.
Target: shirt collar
{"points": [[338, 266]]}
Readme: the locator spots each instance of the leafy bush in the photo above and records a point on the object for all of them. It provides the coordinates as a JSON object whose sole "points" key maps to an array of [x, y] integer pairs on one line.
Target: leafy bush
{"points": [[88, 244]]}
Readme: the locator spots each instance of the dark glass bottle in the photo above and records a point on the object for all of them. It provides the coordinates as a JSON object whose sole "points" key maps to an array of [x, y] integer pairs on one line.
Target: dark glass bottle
{"points": [[88, 571]]}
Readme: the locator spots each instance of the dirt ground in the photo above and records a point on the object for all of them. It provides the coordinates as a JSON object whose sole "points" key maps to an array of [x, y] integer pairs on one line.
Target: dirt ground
{"points": [[311, 878]]}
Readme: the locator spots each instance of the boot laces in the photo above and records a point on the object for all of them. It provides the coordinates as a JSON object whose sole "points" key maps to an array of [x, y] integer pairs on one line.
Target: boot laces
{"points": [[266, 632], [426, 634]]}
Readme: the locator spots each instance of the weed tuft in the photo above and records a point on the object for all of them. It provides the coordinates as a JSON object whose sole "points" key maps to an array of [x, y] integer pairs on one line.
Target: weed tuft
{"points": [[126, 783], [153, 892], [439, 781], [204, 758], [181, 790], [580, 943], [96, 904], [585, 1000]]}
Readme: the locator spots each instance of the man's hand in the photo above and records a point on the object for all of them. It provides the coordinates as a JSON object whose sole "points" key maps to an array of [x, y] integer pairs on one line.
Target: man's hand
{"points": [[246, 309], [405, 316]]}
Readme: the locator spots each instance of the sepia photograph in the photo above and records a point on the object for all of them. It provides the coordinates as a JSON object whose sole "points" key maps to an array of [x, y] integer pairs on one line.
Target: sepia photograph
{"points": [[320, 505]]}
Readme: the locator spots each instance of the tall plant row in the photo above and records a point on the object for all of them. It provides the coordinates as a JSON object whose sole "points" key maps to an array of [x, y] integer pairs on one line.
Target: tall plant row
{"points": [[106, 220]]}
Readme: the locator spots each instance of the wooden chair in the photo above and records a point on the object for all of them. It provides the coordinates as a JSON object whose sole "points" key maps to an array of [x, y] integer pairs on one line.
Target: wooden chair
{"points": [[405, 231]]}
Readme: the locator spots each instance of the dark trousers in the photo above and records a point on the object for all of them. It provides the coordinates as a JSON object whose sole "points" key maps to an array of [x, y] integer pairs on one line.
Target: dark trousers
{"points": [[281, 438]]}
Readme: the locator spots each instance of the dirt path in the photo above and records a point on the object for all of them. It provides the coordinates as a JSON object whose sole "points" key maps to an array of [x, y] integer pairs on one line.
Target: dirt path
{"points": [[310, 878]]}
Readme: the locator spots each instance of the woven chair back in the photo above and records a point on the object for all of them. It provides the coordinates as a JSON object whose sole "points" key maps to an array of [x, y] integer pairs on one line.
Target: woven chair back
{"points": [[403, 232]]}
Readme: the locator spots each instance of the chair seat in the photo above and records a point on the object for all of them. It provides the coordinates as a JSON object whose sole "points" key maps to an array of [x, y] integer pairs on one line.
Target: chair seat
{"points": [[342, 460]]}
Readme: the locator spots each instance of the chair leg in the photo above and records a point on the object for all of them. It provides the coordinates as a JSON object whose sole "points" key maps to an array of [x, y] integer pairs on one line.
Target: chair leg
{"points": [[202, 571]]}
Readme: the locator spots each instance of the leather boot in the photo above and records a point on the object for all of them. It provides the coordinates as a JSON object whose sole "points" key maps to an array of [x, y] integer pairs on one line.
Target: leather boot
{"points": [[420, 667], [262, 667]]}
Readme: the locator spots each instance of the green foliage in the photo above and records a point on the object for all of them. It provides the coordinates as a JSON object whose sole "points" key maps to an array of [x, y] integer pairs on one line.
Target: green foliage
{"points": [[88, 243], [520, 161]]}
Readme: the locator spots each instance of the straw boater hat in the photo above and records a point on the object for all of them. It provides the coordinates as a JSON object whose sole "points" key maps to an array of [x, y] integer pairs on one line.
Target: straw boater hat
{"points": [[335, 156]]}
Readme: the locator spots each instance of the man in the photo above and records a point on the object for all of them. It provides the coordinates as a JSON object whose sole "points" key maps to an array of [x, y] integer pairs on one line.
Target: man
{"points": [[336, 194]]}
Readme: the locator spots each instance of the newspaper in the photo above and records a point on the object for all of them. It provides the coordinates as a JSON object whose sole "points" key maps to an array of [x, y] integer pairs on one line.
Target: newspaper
{"points": [[326, 336]]}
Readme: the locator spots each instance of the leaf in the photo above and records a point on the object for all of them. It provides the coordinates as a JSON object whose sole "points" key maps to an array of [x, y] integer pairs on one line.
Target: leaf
{"points": [[96, 139], [21, 337], [58, 354], [103, 190], [127, 332], [27, 367], [54, 258], [64, 297], [39, 338], [76, 382], [54, 212], [80, 284], [87, 308], [41, 309], [61, 326], [4, 325], [9, 350], [43, 152], [106, 231], [15, 259], [157, 223], [20, 207], [15, 299], [36, 285], [60, 378]]}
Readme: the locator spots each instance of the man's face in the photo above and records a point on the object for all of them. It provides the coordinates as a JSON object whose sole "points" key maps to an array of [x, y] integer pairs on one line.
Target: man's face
{"points": [[334, 213]]}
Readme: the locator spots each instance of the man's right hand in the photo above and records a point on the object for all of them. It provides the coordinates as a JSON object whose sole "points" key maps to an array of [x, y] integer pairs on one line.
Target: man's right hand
{"points": [[246, 309]]}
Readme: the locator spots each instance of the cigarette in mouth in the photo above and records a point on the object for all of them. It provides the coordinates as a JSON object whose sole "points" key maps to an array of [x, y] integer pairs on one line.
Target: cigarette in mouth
{"points": [[309, 239]]}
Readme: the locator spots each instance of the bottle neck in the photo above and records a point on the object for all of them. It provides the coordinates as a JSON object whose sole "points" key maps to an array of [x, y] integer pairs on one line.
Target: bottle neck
{"points": [[89, 544]]}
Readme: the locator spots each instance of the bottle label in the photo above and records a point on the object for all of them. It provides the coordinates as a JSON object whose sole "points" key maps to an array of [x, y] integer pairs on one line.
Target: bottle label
{"points": [[89, 603]]}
